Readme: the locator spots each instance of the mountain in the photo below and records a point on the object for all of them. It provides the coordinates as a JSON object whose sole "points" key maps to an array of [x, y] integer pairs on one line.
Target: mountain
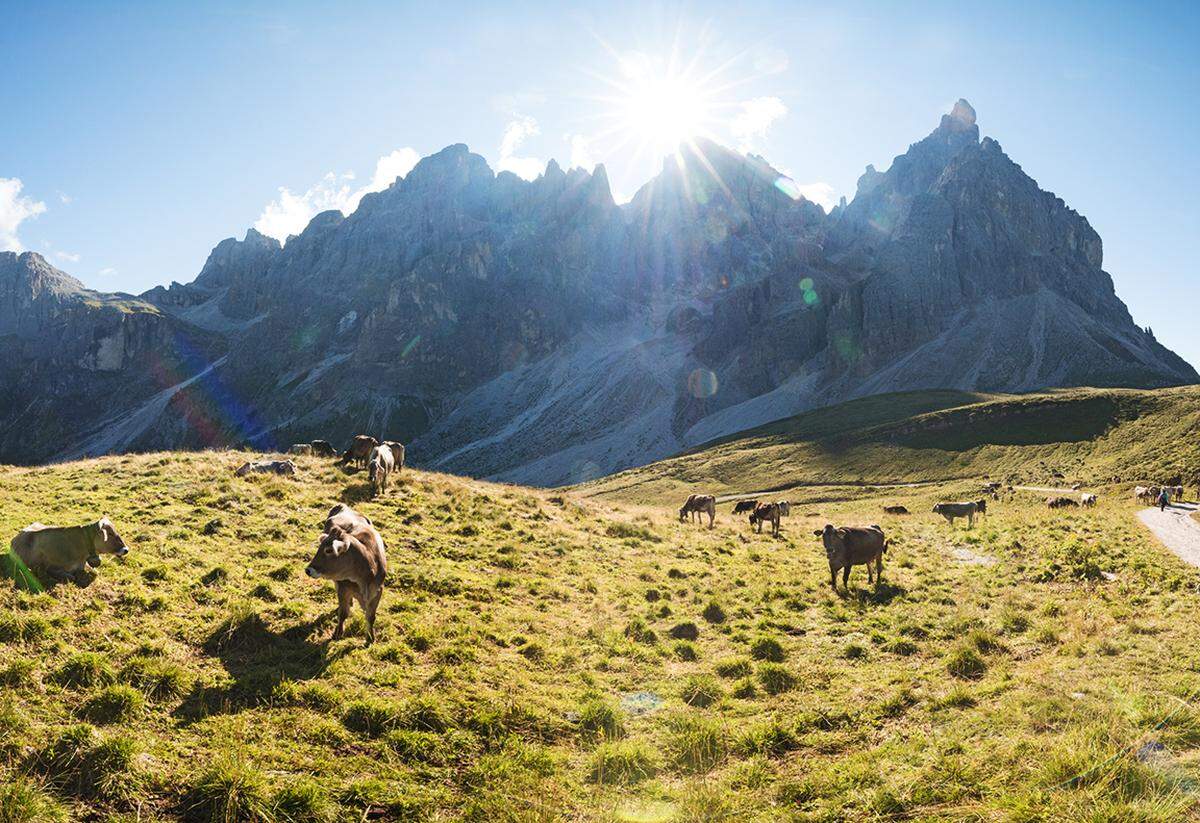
{"points": [[535, 331]]}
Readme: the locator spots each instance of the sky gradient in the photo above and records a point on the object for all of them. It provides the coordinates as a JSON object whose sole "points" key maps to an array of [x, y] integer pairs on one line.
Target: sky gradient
{"points": [[137, 136]]}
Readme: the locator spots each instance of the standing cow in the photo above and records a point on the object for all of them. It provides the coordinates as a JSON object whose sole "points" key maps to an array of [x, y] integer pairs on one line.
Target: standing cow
{"points": [[849, 546], [744, 506], [765, 512], [952, 511], [63, 551], [379, 467], [397, 452], [322, 448], [356, 560], [360, 450], [698, 505]]}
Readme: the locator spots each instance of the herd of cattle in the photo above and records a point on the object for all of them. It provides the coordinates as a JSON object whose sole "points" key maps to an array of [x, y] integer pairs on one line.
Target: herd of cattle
{"points": [[849, 546], [351, 552]]}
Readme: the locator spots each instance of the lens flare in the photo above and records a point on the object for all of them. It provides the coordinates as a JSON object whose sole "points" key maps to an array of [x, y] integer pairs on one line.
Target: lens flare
{"points": [[702, 383]]}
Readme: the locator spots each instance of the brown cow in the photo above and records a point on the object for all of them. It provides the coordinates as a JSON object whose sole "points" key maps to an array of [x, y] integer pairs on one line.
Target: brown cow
{"points": [[699, 505], [397, 452], [356, 561], [63, 551], [744, 506], [765, 512], [895, 510], [321, 448], [345, 518], [360, 450], [1061, 502], [850, 546]]}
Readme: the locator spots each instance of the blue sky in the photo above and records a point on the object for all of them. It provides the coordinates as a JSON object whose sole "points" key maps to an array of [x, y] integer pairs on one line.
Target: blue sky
{"points": [[137, 136]]}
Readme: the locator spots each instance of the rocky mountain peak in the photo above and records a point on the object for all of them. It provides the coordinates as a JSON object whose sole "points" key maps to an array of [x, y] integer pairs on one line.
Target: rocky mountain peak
{"points": [[960, 118]]}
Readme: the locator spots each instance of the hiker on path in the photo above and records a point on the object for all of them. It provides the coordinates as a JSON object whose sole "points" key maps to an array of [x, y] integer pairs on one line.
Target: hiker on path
{"points": [[1164, 499]]}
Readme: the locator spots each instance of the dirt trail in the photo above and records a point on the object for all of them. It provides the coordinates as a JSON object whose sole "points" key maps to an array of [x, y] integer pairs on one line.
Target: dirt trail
{"points": [[1176, 528]]}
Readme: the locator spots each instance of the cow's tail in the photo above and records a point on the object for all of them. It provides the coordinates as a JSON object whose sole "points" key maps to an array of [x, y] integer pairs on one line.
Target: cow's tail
{"points": [[885, 545]]}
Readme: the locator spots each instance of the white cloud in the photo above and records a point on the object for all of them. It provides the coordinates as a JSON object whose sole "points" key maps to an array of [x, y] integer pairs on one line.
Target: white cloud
{"points": [[66, 257], [65, 198], [289, 213], [751, 123], [581, 152], [516, 133], [820, 193], [14, 210], [107, 270]]}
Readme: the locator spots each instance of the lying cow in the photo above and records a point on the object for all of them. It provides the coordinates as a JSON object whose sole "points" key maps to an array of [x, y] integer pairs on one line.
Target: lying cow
{"points": [[1088, 501], [1061, 502], [322, 448], [744, 506], [952, 511], [764, 513], [698, 505], [895, 510], [850, 546], [356, 560], [360, 450], [379, 467], [62, 551], [286, 467], [301, 449]]}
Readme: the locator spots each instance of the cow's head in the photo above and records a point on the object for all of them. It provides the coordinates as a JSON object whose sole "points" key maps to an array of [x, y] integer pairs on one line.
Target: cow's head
{"points": [[332, 560], [107, 541]]}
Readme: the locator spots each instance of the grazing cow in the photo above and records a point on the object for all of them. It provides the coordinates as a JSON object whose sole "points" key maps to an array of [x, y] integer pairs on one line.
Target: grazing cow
{"points": [[301, 448], [895, 510], [397, 452], [360, 450], [765, 512], [850, 546], [698, 505], [1061, 502], [1147, 494], [1087, 500], [356, 560], [744, 506], [951, 511], [345, 518], [994, 486], [62, 551], [379, 467], [322, 448], [286, 467], [1176, 493]]}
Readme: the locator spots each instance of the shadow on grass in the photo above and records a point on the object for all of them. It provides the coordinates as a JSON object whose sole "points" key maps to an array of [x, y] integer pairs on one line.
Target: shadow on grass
{"points": [[357, 493], [258, 659], [25, 579], [881, 594]]}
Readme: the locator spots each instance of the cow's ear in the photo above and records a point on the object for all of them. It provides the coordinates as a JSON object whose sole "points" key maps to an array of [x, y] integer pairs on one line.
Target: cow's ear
{"points": [[339, 546]]}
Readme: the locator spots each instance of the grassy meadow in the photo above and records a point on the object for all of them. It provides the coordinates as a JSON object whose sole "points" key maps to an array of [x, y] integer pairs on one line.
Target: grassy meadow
{"points": [[1089, 435], [546, 656]]}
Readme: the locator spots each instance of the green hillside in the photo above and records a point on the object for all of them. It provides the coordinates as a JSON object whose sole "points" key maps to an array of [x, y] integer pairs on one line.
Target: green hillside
{"points": [[1086, 435], [543, 656]]}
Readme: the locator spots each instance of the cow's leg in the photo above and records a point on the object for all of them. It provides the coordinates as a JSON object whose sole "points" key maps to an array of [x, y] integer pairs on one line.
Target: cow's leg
{"points": [[345, 595], [879, 566], [846, 576], [833, 577], [369, 609], [870, 574], [712, 518]]}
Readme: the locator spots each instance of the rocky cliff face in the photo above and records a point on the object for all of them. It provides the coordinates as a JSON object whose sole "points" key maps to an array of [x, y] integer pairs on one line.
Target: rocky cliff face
{"points": [[536, 331]]}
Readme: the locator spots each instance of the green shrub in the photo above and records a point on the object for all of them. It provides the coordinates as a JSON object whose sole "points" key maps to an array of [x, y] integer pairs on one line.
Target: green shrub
{"points": [[114, 704], [775, 678], [18, 672], [622, 763], [85, 670], [696, 744], [685, 631], [713, 612], [158, 679], [701, 690], [371, 716], [82, 764], [599, 719], [230, 790], [745, 689], [684, 651], [767, 648], [965, 662], [770, 738], [304, 801], [734, 668], [637, 631], [23, 801]]}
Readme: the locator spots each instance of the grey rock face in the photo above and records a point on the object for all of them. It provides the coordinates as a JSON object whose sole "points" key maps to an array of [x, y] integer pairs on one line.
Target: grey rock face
{"points": [[536, 331]]}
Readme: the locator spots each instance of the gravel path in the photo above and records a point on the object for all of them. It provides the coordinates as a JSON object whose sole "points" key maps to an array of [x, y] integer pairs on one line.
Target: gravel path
{"points": [[1176, 528]]}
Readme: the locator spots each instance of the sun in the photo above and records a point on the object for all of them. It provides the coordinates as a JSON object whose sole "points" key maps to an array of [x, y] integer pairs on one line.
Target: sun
{"points": [[662, 107]]}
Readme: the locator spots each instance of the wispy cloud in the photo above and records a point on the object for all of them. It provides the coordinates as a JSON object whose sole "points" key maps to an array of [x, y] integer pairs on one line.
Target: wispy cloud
{"points": [[65, 198], [749, 126], [107, 270], [66, 257], [581, 152], [516, 133], [14, 210], [289, 213]]}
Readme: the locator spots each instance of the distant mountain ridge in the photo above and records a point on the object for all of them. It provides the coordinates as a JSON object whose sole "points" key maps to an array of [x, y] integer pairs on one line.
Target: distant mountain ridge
{"points": [[536, 331]]}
